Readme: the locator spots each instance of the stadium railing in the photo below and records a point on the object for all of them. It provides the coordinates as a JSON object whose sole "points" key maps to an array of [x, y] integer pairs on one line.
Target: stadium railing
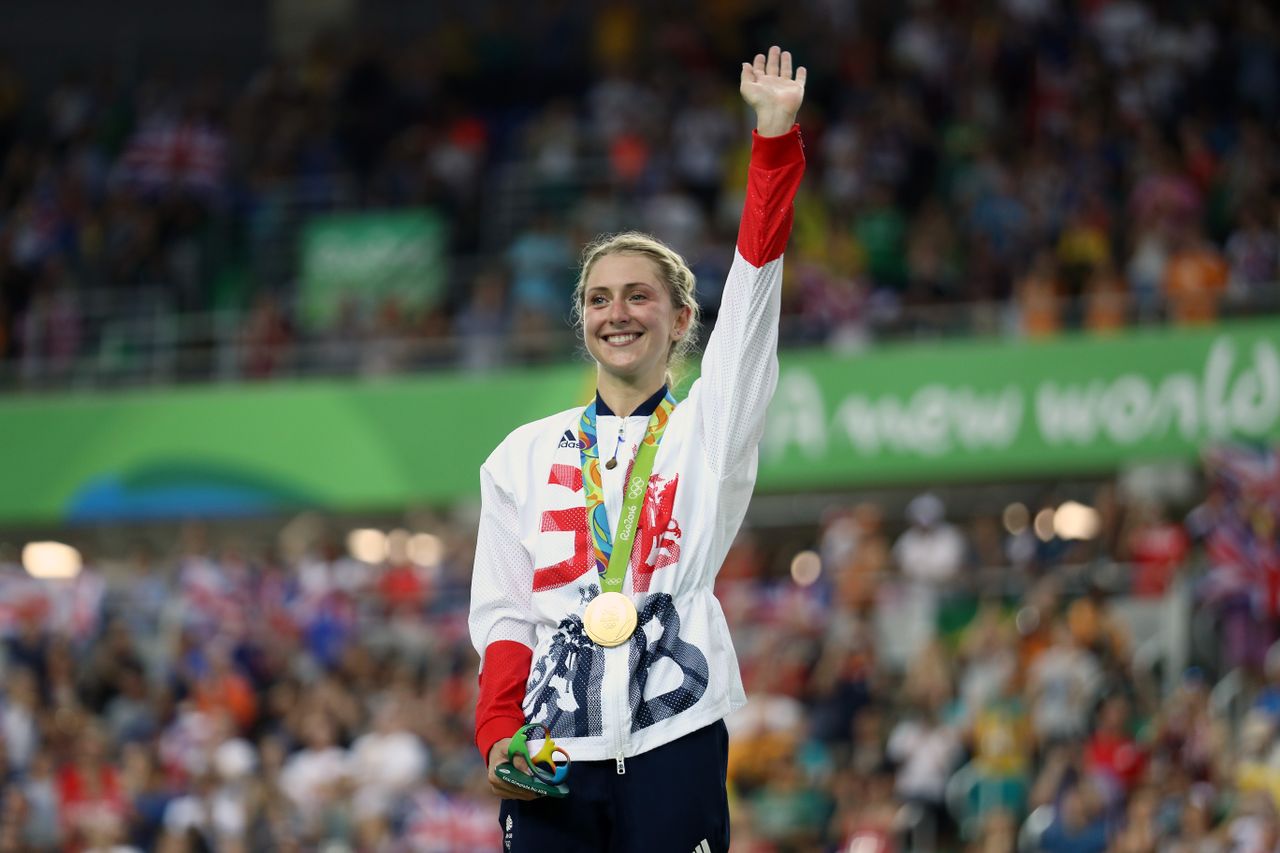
{"points": [[142, 338]]}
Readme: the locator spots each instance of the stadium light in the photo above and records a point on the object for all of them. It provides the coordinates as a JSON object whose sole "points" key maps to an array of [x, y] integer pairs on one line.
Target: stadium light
{"points": [[367, 545], [426, 549], [1044, 524], [1016, 518], [398, 545], [806, 568], [1076, 521], [51, 560]]}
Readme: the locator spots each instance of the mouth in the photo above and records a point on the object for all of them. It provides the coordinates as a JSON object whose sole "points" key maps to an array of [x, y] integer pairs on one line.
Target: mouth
{"points": [[620, 339]]}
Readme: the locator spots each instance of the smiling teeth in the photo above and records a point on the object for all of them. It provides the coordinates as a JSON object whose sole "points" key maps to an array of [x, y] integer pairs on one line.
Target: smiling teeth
{"points": [[621, 339]]}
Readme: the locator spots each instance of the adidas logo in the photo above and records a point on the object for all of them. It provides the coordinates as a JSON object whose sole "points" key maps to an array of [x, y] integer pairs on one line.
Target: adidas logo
{"points": [[703, 847], [569, 440]]}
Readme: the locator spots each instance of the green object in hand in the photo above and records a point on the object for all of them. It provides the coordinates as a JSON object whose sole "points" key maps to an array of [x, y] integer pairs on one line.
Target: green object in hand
{"points": [[547, 778]]}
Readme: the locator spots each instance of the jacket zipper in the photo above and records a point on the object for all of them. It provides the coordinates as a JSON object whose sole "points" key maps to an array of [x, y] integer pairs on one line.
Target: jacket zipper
{"points": [[618, 698], [616, 682]]}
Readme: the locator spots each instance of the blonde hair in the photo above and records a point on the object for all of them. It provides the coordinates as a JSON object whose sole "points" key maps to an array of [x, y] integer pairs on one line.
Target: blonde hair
{"points": [[671, 267]]}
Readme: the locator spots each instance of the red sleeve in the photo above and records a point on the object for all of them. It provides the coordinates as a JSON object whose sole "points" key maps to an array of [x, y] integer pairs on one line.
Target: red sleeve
{"points": [[502, 681], [777, 165]]}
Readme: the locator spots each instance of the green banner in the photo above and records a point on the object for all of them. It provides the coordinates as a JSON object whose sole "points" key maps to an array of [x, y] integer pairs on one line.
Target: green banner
{"points": [[976, 410], [365, 258], [902, 414]]}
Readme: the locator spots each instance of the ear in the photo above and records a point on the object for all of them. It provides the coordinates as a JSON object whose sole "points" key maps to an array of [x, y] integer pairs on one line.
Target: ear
{"points": [[681, 327]]}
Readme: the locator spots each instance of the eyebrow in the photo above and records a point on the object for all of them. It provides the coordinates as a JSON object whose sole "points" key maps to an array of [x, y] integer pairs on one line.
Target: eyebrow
{"points": [[630, 285]]}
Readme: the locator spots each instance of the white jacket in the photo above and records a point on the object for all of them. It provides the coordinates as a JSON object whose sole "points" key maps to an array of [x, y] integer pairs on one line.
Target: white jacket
{"points": [[534, 570]]}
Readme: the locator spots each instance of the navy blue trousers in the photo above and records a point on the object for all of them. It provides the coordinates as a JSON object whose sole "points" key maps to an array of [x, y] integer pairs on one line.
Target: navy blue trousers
{"points": [[671, 800]]}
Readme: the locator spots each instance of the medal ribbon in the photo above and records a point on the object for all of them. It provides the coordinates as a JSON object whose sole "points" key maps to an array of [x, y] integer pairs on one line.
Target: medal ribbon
{"points": [[612, 555]]}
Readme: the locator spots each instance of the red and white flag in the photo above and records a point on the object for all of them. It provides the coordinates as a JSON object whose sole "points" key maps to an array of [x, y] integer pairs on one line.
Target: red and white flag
{"points": [[176, 155]]}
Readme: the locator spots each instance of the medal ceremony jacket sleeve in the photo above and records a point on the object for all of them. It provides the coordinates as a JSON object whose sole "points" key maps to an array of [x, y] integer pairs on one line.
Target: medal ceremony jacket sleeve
{"points": [[740, 364], [499, 620]]}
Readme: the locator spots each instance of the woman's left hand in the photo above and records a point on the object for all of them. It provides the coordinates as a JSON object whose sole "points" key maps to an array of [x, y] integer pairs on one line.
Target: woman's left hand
{"points": [[770, 89]]}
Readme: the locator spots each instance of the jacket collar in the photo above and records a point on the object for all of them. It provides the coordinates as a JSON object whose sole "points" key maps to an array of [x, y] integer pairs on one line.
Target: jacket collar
{"points": [[645, 409]]}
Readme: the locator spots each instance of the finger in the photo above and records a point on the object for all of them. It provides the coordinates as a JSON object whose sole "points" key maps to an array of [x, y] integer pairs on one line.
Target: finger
{"points": [[748, 73], [758, 65], [786, 65], [771, 66], [506, 792], [802, 74]]}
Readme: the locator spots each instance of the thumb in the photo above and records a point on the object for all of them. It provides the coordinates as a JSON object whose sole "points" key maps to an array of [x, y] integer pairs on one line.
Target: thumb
{"points": [[498, 752], [748, 74]]}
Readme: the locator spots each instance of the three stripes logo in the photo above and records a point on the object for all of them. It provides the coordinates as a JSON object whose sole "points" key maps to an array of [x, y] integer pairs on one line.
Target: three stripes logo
{"points": [[569, 440], [703, 847]]}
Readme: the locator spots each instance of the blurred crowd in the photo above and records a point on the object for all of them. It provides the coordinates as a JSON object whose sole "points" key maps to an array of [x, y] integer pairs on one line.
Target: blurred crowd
{"points": [[940, 684], [1048, 165], [1022, 708]]}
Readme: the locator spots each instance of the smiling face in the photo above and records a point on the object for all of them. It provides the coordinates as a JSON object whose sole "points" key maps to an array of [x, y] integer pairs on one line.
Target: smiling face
{"points": [[629, 320]]}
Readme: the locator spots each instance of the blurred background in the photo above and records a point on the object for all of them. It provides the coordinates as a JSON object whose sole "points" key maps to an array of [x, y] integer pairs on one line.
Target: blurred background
{"points": [[275, 277]]}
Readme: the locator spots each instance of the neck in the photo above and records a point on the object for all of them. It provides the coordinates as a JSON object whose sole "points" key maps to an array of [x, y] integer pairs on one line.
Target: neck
{"points": [[622, 396]]}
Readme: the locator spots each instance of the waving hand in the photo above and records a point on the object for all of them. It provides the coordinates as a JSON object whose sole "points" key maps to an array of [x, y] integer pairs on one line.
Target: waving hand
{"points": [[770, 89]]}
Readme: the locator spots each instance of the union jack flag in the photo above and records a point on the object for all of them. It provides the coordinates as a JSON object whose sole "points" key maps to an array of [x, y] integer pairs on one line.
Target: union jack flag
{"points": [[171, 155], [1243, 543]]}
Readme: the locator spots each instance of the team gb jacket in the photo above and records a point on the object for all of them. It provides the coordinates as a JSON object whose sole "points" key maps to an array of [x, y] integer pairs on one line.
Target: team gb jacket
{"points": [[534, 566]]}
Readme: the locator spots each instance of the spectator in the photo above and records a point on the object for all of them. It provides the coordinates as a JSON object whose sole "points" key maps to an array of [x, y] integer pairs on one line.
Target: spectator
{"points": [[386, 764], [867, 813], [1197, 832], [1001, 745], [92, 806], [926, 748], [19, 732], [1253, 253], [930, 554], [1063, 681], [1195, 281], [42, 803], [203, 818], [1106, 300], [316, 777], [1040, 300], [1078, 825], [1112, 756], [541, 262], [1157, 548], [482, 323]]}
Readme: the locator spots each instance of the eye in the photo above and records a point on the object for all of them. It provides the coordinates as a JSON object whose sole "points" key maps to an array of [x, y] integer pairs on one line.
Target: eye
{"points": [[596, 300], [638, 297]]}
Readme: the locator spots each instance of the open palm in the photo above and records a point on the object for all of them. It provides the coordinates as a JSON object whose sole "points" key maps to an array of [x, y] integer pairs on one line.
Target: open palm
{"points": [[770, 88]]}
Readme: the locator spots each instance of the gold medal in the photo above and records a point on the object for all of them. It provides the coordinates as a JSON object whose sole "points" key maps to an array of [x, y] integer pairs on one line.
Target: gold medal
{"points": [[610, 619]]}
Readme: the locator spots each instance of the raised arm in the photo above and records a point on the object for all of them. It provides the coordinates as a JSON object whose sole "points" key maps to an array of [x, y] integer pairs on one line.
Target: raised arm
{"points": [[740, 364]]}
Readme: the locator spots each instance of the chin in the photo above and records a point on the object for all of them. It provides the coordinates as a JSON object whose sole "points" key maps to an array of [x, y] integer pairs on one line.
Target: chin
{"points": [[621, 371], [615, 365], [628, 371]]}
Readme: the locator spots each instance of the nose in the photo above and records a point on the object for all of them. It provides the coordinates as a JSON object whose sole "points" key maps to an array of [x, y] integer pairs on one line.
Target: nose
{"points": [[617, 314]]}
